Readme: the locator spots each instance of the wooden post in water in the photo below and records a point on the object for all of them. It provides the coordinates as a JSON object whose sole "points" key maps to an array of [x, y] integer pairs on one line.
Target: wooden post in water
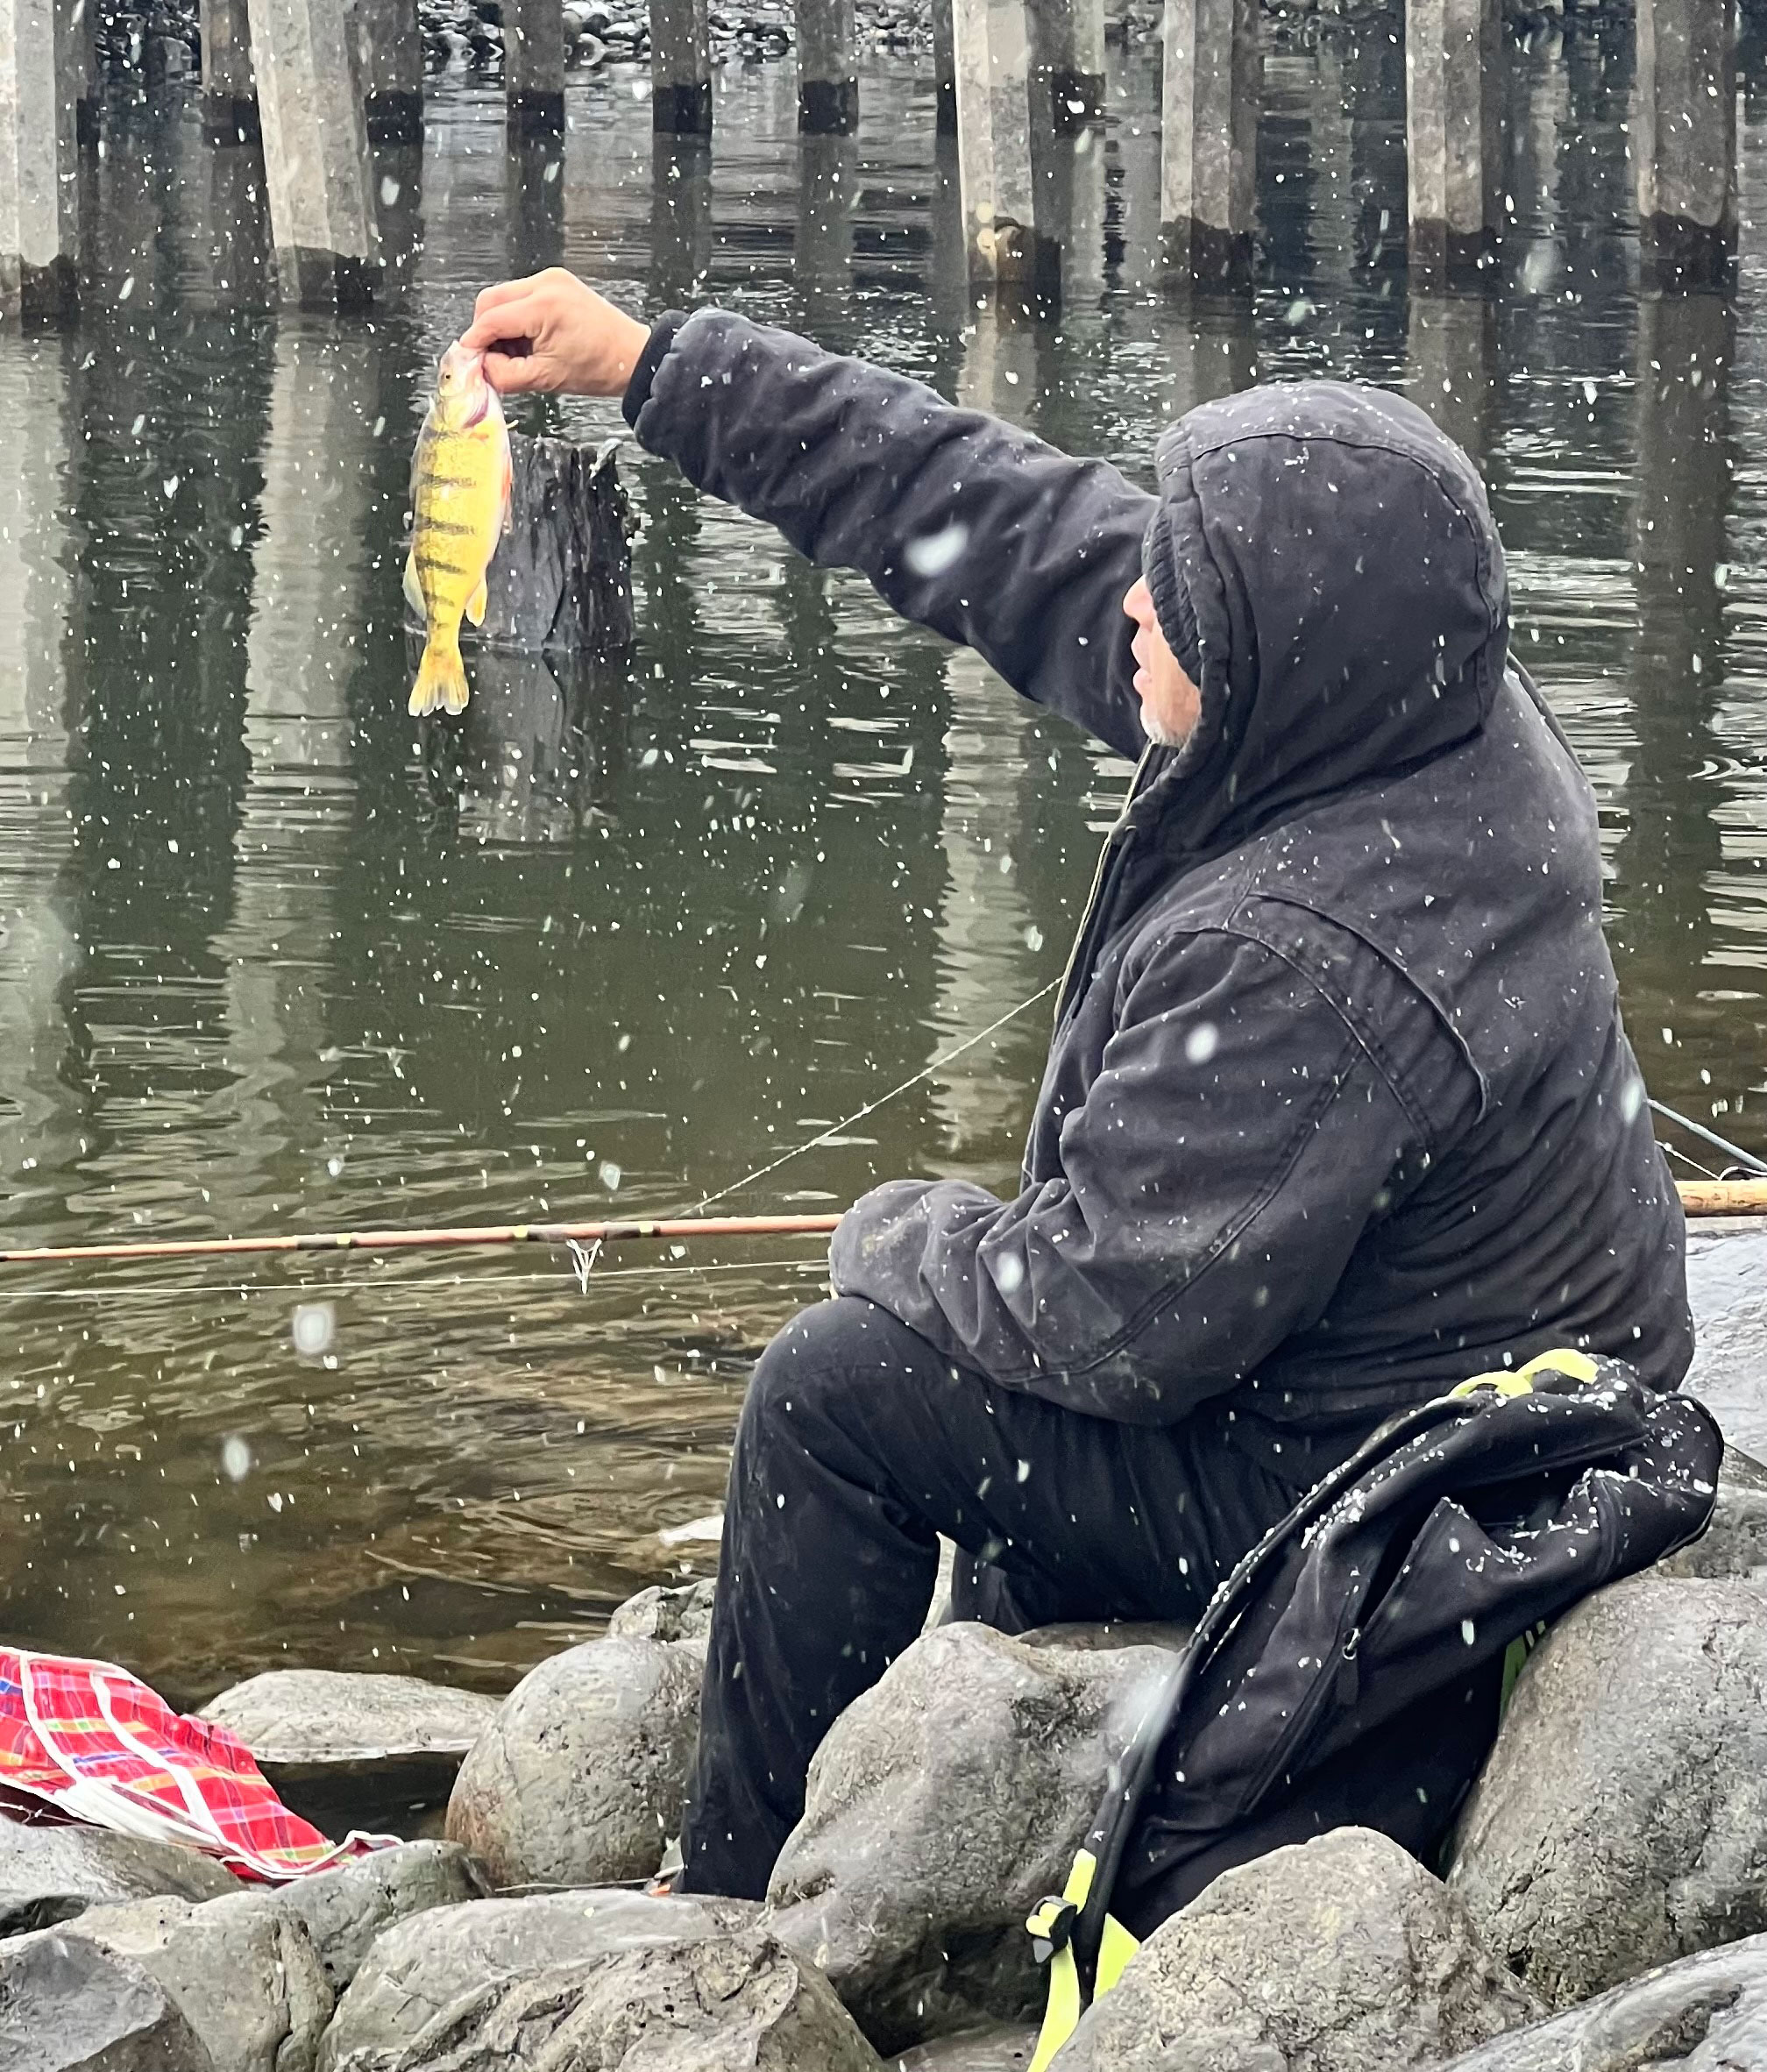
{"points": [[315, 153], [1067, 110], [76, 23], [393, 55], [1213, 80], [827, 82], [534, 67], [38, 189], [1453, 133], [230, 88], [680, 69], [994, 168], [1683, 139], [944, 69]]}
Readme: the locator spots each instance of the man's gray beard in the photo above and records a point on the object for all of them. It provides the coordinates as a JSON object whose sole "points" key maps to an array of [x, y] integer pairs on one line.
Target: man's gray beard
{"points": [[1163, 736]]}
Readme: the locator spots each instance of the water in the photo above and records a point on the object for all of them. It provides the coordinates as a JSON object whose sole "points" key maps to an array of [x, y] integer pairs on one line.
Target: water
{"points": [[274, 960]]}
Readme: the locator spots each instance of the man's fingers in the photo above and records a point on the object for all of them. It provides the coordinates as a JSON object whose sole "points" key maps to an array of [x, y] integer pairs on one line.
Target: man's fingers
{"points": [[504, 291], [512, 374], [516, 316]]}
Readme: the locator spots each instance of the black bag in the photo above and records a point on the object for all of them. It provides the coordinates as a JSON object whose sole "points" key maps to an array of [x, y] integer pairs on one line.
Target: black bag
{"points": [[1351, 1671]]}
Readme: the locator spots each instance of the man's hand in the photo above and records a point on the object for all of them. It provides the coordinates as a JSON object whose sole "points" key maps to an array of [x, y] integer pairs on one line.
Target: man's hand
{"points": [[551, 334]]}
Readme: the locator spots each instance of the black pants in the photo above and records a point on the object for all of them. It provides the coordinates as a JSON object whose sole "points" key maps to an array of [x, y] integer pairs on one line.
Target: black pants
{"points": [[858, 1446]]}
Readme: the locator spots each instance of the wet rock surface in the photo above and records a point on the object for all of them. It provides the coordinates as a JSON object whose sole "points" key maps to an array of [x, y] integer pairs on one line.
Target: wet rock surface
{"points": [[579, 1780], [1000, 2047], [1620, 1821], [344, 1910], [67, 2006], [729, 2002], [663, 1613], [421, 1966], [242, 1972], [941, 1807], [50, 1874], [1704, 2013], [1340, 1956], [1735, 1545]]}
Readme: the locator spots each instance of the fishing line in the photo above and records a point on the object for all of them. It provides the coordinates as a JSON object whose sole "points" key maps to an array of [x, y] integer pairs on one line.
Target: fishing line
{"points": [[1718, 1143], [871, 1107]]}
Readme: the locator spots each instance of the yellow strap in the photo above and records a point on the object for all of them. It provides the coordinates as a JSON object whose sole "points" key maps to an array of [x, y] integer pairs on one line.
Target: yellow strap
{"points": [[1114, 1952], [1519, 1380], [1061, 2017]]}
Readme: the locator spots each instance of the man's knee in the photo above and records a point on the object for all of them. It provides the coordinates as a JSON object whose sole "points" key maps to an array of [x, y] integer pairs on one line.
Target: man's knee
{"points": [[827, 1355]]}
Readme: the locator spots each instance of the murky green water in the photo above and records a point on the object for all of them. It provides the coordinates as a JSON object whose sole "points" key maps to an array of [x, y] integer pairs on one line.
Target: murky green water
{"points": [[274, 960]]}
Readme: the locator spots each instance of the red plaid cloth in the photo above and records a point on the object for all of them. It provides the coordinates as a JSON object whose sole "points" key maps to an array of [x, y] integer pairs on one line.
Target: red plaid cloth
{"points": [[96, 1744]]}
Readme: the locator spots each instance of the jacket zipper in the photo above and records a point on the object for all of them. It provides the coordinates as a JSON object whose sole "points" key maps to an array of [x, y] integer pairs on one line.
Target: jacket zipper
{"points": [[1073, 976]]}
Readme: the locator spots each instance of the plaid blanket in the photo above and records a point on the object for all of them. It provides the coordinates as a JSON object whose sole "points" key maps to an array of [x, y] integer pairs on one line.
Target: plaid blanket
{"points": [[96, 1744]]}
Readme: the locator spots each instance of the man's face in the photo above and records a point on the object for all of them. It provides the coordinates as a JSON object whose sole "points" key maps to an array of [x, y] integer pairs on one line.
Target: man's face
{"points": [[1170, 703]]}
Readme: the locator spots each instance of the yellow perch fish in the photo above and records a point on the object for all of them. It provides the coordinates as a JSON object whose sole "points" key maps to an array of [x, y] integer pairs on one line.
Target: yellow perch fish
{"points": [[460, 510]]}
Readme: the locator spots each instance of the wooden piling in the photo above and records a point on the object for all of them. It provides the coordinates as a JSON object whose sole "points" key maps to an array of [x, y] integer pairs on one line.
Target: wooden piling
{"points": [[680, 69], [995, 179], [827, 81], [1213, 80], [230, 88], [77, 61], [1683, 139], [944, 70], [316, 153], [534, 67], [392, 70], [1453, 133], [38, 188]]}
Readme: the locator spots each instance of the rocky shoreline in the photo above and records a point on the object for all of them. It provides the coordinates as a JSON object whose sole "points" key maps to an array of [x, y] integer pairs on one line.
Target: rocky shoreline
{"points": [[1604, 1903]]}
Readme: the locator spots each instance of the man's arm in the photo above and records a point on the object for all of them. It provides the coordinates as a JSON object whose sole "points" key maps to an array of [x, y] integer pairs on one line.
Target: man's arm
{"points": [[1237, 1142], [962, 522]]}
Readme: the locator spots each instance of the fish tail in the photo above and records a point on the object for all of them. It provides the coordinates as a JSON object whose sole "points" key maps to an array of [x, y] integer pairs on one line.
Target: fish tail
{"points": [[441, 678]]}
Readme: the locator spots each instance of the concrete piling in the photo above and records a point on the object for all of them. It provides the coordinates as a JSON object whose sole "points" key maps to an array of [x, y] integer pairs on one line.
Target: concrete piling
{"points": [[534, 67], [995, 174], [230, 88], [1214, 75], [827, 81], [1684, 138], [393, 67], [1067, 114], [38, 190], [77, 59], [1453, 132], [316, 153], [1068, 41], [944, 69], [680, 69]]}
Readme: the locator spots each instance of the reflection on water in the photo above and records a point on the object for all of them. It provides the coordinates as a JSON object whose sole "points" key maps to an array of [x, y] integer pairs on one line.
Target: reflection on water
{"points": [[276, 958]]}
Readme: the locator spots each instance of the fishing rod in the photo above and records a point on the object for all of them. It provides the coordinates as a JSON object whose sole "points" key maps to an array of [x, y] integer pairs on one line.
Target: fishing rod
{"points": [[1698, 1198]]}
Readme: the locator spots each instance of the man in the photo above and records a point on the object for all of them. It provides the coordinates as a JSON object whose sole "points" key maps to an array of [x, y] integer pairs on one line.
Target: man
{"points": [[1338, 1109]]}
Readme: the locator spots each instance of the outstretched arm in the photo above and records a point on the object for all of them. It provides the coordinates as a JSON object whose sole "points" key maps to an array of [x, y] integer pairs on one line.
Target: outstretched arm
{"points": [[963, 523]]}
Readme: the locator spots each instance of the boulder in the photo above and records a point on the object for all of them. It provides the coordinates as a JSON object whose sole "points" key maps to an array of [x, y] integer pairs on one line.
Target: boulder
{"points": [[241, 1971], [942, 1806], [1735, 1545], [579, 1780], [67, 2006], [1706, 2013], [1622, 1819], [663, 1613], [344, 1910], [354, 1750], [420, 1968], [1000, 2047], [735, 2002], [50, 1874], [1341, 1955]]}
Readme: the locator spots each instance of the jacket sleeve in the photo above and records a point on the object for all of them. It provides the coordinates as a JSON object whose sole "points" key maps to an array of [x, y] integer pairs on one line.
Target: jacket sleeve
{"points": [[962, 522], [1238, 1141]]}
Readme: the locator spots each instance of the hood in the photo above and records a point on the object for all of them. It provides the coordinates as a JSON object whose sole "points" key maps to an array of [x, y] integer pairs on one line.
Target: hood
{"points": [[1351, 604]]}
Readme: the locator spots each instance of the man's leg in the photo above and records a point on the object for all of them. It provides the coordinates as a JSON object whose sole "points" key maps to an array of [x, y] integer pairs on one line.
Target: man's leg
{"points": [[858, 1446]]}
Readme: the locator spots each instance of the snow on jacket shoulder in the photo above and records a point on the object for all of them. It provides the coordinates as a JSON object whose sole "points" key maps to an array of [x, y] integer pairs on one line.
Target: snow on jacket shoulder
{"points": [[1339, 1107]]}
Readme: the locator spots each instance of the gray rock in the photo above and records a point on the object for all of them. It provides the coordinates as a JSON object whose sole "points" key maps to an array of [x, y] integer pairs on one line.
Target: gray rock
{"points": [[1735, 1545], [739, 2002], [1340, 1956], [1727, 1286], [1622, 1819], [354, 1750], [50, 1874], [579, 1780], [666, 1613], [344, 1910], [420, 1967], [1001, 2047], [1706, 2013], [241, 1971], [943, 1805], [65, 2006]]}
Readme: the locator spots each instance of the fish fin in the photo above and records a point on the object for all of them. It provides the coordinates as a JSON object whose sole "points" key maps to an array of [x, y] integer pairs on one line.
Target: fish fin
{"points": [[479, 603], [414, 589], [441, 681]]}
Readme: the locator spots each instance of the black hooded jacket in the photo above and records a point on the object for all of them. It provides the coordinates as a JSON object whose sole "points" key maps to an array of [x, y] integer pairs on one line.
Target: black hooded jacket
{"points": [[1338, 1108]]}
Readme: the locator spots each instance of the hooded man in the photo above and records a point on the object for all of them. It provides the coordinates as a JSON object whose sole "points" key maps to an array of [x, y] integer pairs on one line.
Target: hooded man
{"points": [[1338, 1109]]}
